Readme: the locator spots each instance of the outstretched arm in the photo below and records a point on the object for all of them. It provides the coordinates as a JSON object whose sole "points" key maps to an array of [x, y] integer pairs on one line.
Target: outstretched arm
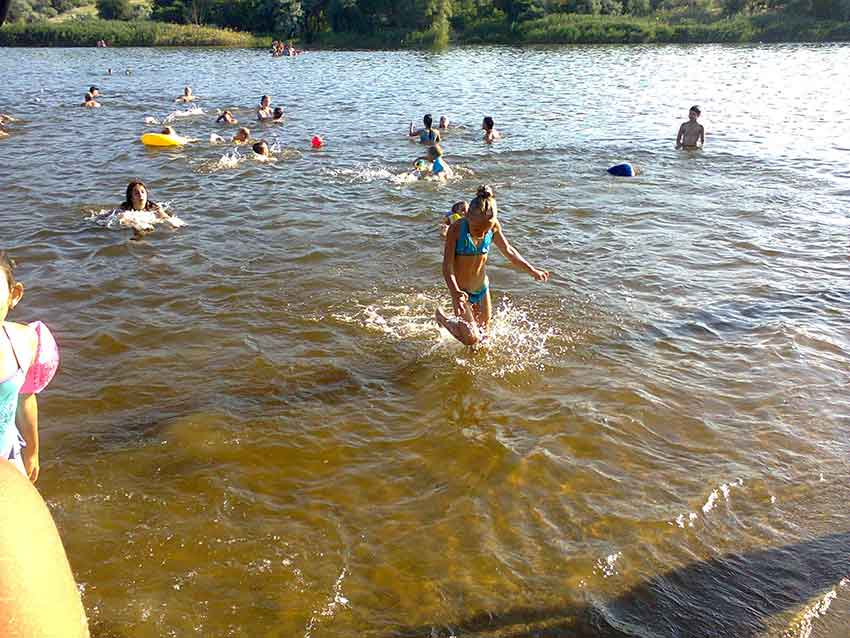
{"points": [[515, 258]]}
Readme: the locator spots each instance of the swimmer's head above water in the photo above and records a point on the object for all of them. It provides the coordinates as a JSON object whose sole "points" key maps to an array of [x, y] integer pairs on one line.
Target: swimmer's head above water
{"points": [[265, 101], [137, 197], [482, 209], [278, 113], [428, 121], [694, 113], [262, 148], [94, 91], [227, 118], [168, 130], [444, 122], [242, 135]]}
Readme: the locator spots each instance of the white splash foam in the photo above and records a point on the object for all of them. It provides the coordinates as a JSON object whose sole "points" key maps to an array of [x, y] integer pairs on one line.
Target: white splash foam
{"points": [[195, 110], [152, 120], [362, 173], [724, 489], [140, 220], [215, 138], [608, 565], [804, 623], [329, 610]]}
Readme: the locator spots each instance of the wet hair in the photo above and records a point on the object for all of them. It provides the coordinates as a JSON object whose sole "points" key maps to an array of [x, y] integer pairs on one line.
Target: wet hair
{"points": [[484, 201], [444, 120], [169, 131], [258, 147], [265, 97], [187, 90], [7, 266], [435, 150], [457, 207], [223, 116], [278, 112], [246, 130], [92, 89], [489, 123], [695, 109], [128, 198], [428, 121]]}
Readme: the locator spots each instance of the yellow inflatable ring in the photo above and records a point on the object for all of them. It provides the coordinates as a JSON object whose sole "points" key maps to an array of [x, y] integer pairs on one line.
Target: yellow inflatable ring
{"points": [[159, 139]]}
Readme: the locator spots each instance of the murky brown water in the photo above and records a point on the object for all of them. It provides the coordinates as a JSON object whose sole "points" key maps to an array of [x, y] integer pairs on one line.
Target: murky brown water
{"points": [[258, 431]]}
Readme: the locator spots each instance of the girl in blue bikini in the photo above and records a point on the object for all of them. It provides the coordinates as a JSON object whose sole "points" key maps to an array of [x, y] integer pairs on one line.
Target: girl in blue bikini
{"points": [[464, 268], [28, 361]]}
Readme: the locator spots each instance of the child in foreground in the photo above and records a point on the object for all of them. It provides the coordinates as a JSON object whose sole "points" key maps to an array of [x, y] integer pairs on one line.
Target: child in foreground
{"points": [[691, 133], [28, 360], [458, 211], [464, 268]]}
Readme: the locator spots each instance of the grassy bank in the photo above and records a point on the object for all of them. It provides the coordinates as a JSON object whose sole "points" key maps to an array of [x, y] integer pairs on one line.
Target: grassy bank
{"points": [[142, 33], [552, 29]]}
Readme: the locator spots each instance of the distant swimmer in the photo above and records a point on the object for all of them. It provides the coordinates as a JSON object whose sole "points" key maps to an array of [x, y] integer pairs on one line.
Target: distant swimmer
{"points": [[264, 111], [187, 96], [444, 123], [226, 117], [438, 167], [465, 255], [4, 120], [242, 136], [89, 102], [427, 135], [262, 149], [95, 92], [277, 116], [490, 132], [457, 212], [691, 133]]}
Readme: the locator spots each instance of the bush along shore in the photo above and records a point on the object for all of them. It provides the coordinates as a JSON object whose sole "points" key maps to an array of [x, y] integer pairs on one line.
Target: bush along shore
{"points": [[552, 29], [136, 33]]}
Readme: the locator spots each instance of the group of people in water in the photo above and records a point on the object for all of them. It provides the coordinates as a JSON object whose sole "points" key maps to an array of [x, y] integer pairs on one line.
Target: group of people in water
{"points": [[284, 49]]}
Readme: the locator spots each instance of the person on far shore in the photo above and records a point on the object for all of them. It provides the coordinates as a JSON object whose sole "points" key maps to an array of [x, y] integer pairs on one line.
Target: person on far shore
{"points": [[226, 117], [89, 102], [490, 132], [264, 111], [464, 268], [242, 136], [187, 96], [691, 133], [427, 135]]}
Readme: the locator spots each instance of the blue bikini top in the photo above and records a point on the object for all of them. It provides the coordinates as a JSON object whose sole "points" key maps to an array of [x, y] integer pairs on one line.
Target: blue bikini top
{"points": [[465, 245]]}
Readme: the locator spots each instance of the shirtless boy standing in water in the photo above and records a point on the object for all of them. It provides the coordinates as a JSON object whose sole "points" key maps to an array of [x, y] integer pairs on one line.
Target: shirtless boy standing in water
{"points": [[691, 133]]}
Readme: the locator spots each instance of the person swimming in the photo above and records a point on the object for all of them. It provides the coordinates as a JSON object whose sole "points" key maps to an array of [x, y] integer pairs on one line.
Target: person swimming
{"points": [[262, 149], [136, 200], [444, 123], [264, 111], [95, 92], [187, 96], [489, 128], [465, 256], [277, 116], [427, 135], [242, 135], [89, 102], [226, 117], [438, 167]]}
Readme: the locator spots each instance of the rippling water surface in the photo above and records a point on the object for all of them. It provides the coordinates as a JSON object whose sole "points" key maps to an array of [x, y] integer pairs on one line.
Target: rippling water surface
{"points": [[258, 430]]}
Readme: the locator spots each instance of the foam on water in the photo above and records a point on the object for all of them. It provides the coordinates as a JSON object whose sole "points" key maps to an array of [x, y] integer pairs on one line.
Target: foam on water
{"points": [[140, 220], [803, 624], [195, 110], [359, 174], [688, 519], [231, 159], [335, 601]]}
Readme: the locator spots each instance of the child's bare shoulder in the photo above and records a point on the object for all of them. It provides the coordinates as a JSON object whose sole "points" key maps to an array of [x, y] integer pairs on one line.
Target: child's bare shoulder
{"points": [[23, 334]]}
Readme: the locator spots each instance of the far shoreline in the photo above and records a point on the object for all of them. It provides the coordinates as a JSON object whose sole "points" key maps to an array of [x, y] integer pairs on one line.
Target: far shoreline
{"points": [[557, 29]]}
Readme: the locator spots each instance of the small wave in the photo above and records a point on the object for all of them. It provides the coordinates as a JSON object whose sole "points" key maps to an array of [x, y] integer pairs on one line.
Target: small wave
{"points": [[362, 174], [230, 159], [725, 489], [140, 220], [335, 601], [803, 625]]}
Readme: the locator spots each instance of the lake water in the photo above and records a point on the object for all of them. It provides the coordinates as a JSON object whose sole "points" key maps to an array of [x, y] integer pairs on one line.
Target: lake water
{"points": [[258, 430]]}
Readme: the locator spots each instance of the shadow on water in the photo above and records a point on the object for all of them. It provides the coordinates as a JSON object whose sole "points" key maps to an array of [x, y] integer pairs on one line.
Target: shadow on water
{"points": [[734, 595]]}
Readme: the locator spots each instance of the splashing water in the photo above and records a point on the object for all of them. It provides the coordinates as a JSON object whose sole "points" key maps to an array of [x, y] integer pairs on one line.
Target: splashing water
{"points": [[360, 174], [231, 159], [195, 110], [140, 220]]}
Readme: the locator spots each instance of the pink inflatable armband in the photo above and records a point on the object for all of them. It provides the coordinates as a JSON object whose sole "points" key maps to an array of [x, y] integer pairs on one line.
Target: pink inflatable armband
{"points": [[46, 361]]}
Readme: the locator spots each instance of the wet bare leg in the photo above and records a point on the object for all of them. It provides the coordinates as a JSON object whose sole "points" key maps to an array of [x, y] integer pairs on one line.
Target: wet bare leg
{"points": [[464, 329]]}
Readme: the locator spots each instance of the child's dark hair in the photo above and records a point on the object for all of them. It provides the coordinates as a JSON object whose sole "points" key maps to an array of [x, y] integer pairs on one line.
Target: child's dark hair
{"points": [[278, 112], [428, 121], [128, 198], [489, 123], [258, 147], [484, 202], [7, 266], [265, 97], [695, 109], [223, 116]]}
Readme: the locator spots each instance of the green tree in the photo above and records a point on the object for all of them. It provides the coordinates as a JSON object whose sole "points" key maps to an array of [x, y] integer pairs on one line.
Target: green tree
{"points": [[114, 9]]}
